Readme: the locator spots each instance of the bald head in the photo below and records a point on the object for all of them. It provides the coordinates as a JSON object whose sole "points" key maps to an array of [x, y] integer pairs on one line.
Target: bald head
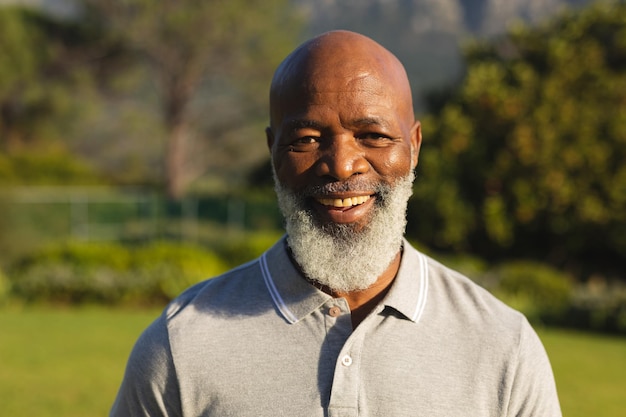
{"points": [[338, 57]]}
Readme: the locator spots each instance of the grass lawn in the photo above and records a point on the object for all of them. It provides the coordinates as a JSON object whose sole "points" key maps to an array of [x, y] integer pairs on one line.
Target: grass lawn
{"points": [[69, 362], [64, 362], [590, 372]]}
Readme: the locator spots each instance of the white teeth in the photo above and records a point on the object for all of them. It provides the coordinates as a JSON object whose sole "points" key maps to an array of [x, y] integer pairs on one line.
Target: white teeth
{"points": [[346, 202]]}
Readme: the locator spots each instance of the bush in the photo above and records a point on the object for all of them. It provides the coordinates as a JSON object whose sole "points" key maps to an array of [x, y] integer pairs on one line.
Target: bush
{"points": [[177, 266], [470, 266], [598, 307], [526, 154], [4, 287], [51, 166], [238, 251], [537, 290], [112, 273]]}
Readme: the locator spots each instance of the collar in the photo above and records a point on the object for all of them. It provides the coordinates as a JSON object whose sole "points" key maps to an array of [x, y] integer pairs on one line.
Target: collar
{"points": [[295, 298], [409, 291]]}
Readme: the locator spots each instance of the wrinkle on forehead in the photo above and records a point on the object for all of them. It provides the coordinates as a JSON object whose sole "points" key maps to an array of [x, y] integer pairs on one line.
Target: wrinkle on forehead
{"points": [[359, 78], [366, 82]]}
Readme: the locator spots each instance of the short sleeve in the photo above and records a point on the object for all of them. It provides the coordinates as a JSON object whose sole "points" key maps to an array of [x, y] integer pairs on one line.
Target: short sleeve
{"points": [[533, 390], [150, 386]]}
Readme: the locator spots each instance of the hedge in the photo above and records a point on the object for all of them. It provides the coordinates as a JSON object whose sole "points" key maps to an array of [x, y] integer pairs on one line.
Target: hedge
{"points": [[118, 274], [112, 273]]}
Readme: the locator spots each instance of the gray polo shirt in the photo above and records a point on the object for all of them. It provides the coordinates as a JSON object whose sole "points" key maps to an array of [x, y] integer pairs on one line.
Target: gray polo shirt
{"points": [[261, 341]]}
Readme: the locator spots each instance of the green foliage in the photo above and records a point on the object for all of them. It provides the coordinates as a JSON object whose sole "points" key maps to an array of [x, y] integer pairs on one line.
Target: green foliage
{"points": [[51, 167], [118, 79], [39, 76], [238, 251], [536, 290], [527, 156], [112, 273], [201, 55], [175, 267], [470, 266], [4, 287], [598, 307]]}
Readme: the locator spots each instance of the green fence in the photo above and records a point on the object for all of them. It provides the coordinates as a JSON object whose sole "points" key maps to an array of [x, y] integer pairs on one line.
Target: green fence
{"points": [[30, 216]]}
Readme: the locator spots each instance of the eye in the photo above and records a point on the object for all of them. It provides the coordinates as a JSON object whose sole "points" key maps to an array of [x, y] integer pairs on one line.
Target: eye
{"points": [[304, 144], [373, 135], [374, 138], [306, 140]]}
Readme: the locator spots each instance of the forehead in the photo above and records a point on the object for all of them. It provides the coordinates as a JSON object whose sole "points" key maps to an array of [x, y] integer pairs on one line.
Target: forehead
{"points": [[358, 96], [325, 81]]}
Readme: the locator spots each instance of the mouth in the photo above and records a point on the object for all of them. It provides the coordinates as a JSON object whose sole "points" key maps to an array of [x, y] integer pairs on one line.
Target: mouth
{"points": [[347, 202], [343, 210]]}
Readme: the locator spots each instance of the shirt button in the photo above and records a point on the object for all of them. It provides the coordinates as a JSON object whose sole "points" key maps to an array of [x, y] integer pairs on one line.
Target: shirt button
{"points": [[334, 311], [346, 360]]}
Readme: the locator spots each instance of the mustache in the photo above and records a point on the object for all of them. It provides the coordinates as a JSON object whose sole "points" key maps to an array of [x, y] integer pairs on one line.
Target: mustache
{"points": [[351, 185]]}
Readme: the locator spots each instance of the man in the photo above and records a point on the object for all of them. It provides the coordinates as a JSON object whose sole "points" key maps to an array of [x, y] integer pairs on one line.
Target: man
{"points": [[342, 317]]}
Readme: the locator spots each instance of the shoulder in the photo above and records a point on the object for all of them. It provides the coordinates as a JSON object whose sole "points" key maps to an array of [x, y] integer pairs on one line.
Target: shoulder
{"points": [[231, 287], [461, 294], [150, 386], [151, 371], [455, 302], [464, 317]]}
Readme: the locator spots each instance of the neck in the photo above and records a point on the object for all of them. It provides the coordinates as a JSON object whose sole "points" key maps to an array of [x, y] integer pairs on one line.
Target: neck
{"points": [[363, 302]]}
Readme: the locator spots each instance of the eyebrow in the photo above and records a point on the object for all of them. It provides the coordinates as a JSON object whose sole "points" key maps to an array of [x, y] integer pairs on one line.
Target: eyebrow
{"points": [[303, 124], [368, 121]]}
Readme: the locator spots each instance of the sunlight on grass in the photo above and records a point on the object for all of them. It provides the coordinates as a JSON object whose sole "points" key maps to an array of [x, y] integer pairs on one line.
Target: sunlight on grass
{"points": [[590, 372], [64, 362]]}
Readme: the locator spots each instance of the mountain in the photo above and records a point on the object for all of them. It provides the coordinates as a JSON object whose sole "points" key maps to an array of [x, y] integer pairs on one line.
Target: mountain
{"points": [[427, 35]]}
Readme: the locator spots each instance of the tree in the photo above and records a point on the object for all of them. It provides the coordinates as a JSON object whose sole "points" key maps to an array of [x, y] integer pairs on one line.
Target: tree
{"points": [[527, 156], [40, 58], [188, 44]]}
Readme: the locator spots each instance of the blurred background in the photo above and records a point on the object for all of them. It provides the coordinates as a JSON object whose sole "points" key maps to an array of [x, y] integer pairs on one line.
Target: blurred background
{"points": [[133, 160]]}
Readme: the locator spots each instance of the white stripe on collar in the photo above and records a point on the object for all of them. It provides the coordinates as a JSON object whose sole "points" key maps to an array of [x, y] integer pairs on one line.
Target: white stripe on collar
{"points": [[291, 318], [278, 300], [423, 294]]}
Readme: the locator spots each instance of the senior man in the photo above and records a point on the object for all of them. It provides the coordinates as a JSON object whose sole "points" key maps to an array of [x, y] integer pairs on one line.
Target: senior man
{"points": [[341, 317]]}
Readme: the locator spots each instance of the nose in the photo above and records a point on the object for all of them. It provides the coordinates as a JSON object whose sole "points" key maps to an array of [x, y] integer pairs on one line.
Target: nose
{"points": [[342, 159]]}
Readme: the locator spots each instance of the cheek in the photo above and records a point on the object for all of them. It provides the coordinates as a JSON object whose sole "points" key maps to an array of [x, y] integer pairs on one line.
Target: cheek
{"points": [[292, 168], [393, 164]]}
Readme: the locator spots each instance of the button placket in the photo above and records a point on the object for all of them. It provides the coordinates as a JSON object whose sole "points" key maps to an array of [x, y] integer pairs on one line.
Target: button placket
{"points": [[338, 326], [346, 382], [344, 397]]}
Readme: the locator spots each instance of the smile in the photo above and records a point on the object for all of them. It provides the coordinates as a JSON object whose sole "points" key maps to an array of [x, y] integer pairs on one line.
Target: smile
{"points": [[343, 202]]}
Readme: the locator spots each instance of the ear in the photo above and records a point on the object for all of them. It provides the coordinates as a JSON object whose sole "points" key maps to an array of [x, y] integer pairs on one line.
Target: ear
{"points": [[416, 143], [269, 135]]}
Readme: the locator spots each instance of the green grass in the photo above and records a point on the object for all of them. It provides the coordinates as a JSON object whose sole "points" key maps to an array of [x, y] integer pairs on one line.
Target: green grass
{"points": [[64, 362], [69, 362], [590, 372]]}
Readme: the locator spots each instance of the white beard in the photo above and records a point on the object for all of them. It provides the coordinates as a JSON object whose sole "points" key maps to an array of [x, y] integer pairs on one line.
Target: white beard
{"points": [[336, 255]]}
